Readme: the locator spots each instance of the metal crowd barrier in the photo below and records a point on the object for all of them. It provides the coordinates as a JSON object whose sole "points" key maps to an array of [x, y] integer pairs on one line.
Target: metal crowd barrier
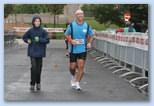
{"points": [[126, 54]]}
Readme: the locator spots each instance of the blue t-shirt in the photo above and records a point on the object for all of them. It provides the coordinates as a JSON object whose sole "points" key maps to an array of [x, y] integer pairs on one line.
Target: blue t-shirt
{"points": [[79, 33]]}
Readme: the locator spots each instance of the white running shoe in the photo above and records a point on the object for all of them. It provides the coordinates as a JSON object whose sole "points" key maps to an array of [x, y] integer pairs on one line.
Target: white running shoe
{"points": [[78, 86], [73, 83]]}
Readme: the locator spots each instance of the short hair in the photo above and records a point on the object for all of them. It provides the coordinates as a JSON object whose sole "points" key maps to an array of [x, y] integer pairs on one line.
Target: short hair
{"points": [[79, 11]]}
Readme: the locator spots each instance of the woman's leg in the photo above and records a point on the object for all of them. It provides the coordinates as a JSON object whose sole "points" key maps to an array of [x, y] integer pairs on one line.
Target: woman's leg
{"points": [[39, 70], [33, 73]]}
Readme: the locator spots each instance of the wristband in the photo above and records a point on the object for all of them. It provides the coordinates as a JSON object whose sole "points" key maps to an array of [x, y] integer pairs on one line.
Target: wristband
{"points": [[69, 39]]}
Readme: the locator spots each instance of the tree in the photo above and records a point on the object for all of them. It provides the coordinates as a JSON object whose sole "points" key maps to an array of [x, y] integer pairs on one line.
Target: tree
{"points": [[139, 14], [112, 13], [104, 13], [108, 14], [55, 9], [87, 10], [8, 9], [28, 9]]}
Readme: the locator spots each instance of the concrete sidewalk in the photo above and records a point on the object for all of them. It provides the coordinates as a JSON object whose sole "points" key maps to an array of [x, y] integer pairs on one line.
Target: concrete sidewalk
{"points": [[98, 83]]}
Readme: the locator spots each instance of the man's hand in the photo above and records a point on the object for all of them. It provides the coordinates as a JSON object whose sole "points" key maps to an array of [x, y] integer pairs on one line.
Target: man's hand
{"points": [[29, 41], [89, 45], [74, 42]]}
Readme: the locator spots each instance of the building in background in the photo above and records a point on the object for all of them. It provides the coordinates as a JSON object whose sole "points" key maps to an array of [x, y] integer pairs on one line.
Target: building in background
{"points": [[67, 16]]}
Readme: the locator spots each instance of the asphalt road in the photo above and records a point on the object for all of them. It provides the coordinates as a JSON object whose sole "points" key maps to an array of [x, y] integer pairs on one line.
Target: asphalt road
{"points": [[98, 83]]}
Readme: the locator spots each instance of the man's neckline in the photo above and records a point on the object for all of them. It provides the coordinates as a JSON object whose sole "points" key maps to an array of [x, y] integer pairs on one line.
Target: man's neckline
{"points": [[79, 23]]}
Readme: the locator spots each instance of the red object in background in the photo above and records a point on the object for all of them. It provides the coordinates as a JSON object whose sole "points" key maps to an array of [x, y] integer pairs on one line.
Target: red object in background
{"points": [[120, 30]]}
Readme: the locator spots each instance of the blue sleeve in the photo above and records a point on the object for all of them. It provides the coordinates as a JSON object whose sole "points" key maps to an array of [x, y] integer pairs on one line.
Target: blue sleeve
{"points": [[26, 36], [90, 31], [45, 38], [68, 31]]}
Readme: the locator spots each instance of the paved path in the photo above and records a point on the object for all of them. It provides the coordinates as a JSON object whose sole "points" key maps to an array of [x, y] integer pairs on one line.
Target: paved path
{"points": [[98, 84]]}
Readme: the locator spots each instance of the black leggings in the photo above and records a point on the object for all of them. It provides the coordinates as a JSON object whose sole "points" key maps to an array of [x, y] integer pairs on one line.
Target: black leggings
{"points": [[36, 68]]}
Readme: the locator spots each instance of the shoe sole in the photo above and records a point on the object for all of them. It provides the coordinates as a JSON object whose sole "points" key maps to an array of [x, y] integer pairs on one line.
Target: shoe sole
{"points": [[79, 90], [38, 89]]}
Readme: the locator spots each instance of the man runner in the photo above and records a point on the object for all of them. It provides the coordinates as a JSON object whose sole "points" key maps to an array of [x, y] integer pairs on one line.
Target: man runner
{"points": [[79, 35]]}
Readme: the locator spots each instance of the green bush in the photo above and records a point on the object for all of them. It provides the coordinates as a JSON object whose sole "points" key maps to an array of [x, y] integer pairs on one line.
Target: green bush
{"points": [[97, 26], [92, 22]]}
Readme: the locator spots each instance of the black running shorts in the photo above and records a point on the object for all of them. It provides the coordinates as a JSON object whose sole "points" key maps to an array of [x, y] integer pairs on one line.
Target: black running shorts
{"points": [[75, 56]]}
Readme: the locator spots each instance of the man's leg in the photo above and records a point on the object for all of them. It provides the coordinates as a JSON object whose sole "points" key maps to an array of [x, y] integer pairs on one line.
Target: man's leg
{"points": [[72, 67], [80, 64], [73, 64], [73, 74]]}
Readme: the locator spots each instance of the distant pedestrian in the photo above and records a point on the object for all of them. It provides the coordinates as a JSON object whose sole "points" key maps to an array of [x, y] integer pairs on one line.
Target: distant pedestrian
{"points": [[129, 27], [66, 42]]}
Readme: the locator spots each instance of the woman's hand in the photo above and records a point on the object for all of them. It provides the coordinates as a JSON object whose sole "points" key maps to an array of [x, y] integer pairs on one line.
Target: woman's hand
{"points": [[29, 41]]}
